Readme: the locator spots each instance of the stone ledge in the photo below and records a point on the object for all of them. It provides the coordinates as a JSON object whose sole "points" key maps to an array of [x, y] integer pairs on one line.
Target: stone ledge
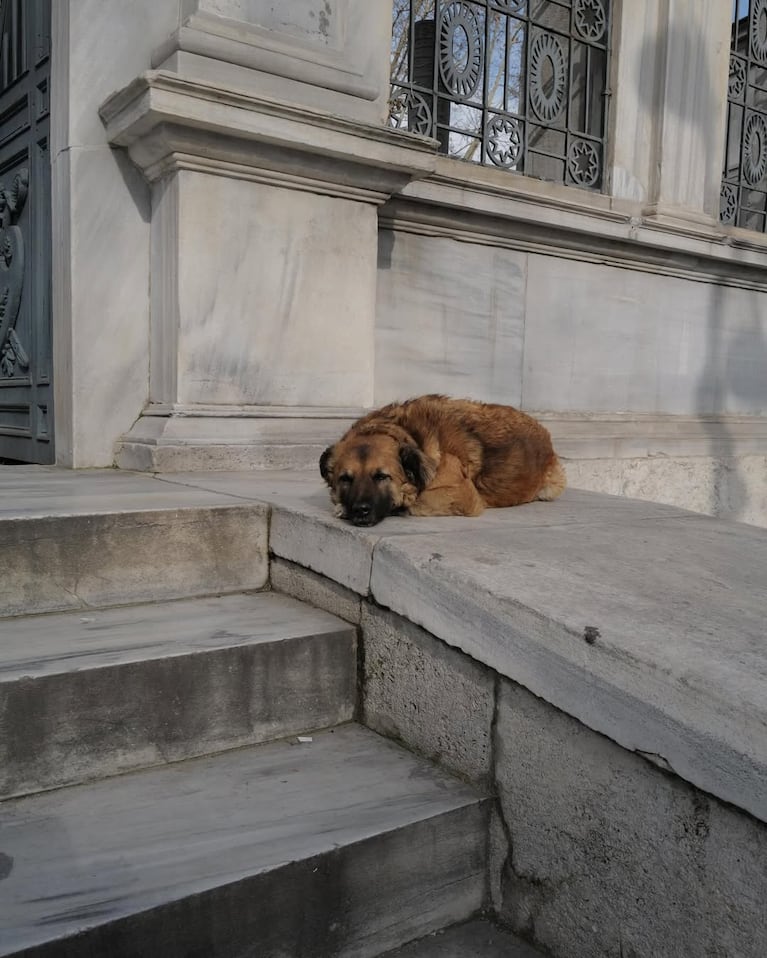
{"points": [[496, 208], [644, 622], [168, 122]]}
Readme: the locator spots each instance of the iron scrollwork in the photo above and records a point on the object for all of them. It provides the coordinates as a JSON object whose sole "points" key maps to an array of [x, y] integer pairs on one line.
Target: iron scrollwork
{"points": [[517, 85], [743, 195], [12, 200], [504, 137], [459, 30], [590, 19], [547, 96]]}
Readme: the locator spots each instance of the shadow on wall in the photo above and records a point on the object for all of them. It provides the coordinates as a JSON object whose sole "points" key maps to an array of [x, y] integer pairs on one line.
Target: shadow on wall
{"points": [[734, 375]]}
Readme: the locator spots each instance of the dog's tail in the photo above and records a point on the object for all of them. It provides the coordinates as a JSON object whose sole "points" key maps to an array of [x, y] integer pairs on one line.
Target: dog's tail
{"points": [[554, 481]]}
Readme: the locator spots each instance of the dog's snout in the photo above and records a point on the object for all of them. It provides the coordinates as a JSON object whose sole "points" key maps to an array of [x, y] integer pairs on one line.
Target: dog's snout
{"points": [[361, 511]]}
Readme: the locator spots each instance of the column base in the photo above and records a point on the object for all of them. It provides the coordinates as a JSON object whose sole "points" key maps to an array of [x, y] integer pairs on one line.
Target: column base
{"points": [[200, 439]]}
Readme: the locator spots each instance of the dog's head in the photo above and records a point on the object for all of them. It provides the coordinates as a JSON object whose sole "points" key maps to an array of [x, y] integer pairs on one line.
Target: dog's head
{"points": [[374, 476]]}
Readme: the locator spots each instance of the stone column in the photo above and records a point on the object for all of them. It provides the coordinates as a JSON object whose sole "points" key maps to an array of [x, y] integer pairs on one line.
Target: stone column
{"points": [[669, 105], [262, 133], [100, 292]]}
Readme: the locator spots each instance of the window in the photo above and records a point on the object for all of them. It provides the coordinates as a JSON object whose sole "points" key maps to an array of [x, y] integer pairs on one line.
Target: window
{"points": [[743, 200], [516, 84]]}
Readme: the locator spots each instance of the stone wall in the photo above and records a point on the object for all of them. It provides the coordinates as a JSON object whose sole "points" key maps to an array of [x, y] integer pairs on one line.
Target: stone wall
{"points": [[596, 852]]}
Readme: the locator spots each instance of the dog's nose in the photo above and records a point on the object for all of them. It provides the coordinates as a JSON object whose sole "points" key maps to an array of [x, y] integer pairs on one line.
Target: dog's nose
{"points": [[361, 511]]}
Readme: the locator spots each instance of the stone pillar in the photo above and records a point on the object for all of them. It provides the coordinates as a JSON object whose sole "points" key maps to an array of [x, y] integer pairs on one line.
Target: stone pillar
{"points": [[262, 133], [669, 107], [100, 291]]}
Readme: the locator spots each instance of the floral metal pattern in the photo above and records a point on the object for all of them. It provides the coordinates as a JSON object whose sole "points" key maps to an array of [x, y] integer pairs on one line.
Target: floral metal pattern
{"points": [[758, 29], [743, 195], [736, 83], [755, 149], [409, 110], [590, 19], [547, 97], [514, 84], [583, 163], [504, 141], [12, 200], [728, 203], [458, 23]]}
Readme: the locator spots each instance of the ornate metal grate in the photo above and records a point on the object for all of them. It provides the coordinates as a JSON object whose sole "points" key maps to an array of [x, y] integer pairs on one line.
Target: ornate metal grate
{"points": [[743, 198], [517, 84]]}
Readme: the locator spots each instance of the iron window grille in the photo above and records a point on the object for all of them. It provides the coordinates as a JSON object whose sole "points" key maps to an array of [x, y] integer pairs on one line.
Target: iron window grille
{"points": [[743, 197], [516, 84]]}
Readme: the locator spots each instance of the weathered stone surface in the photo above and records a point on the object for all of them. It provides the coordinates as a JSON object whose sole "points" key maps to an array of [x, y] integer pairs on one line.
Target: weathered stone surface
{"points": [[304, 529], [422, 692], [71, 540], [345, 846], [476, 939], [75, 562], [725, 487], [610, 856], [646, 626], [85, 696], [469, 304], [317, 590]]}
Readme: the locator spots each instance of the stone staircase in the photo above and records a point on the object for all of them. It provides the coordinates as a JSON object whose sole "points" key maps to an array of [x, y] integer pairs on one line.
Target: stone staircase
{"points": [[181, 772]]}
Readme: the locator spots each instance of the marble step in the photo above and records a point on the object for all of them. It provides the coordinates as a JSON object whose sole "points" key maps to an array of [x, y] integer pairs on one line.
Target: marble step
{"points": [[478, 938], [77, 539], [347, 846], [94, 693]]}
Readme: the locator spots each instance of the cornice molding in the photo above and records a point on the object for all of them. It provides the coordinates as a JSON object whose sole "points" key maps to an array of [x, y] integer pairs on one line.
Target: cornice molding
{"points": [[167, 122], [495, 208]]}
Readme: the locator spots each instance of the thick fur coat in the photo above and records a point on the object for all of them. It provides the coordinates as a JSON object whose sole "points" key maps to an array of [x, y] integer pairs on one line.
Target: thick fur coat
{"points": [[436, 456]]}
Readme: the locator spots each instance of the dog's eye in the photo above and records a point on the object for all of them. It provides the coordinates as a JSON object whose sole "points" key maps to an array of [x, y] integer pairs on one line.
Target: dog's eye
{"points": [[380, 476], [345, 478]]}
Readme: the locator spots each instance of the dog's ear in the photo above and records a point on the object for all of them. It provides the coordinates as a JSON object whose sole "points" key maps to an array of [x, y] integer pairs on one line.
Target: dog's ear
{"points": [[326, 464], [418, 469]]}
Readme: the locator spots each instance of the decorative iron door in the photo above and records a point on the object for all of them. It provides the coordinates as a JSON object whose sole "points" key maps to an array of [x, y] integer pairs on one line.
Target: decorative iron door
{"points": [[26, 419]]}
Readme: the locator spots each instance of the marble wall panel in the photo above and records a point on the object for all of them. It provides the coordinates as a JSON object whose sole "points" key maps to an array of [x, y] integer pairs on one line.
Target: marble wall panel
{"points": [[606, 339], [105, 44], [276, 294], [101, 302], [450, 319], [320, 22]]}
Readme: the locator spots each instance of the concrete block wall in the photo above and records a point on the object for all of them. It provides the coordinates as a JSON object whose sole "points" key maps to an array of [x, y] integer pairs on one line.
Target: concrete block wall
{"points": [[596, 852]]}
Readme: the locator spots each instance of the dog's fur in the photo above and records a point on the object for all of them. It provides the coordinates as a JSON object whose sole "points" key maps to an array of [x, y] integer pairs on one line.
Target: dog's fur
{"points": [[435, 456]]}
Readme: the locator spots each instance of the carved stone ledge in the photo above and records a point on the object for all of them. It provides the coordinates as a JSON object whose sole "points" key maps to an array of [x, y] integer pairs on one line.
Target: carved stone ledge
{"points": [[256, 48], [167, 123], [495, 208], [182, 438], [177, 437]]}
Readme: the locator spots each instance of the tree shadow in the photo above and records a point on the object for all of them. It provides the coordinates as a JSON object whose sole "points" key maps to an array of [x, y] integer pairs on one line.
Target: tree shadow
{"points": [[734, 370]]}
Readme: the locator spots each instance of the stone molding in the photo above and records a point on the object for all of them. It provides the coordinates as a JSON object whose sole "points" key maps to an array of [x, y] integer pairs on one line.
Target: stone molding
{"points": [[169, 123], [256, 48], [643, 435], [177, 437], [496, 208]]}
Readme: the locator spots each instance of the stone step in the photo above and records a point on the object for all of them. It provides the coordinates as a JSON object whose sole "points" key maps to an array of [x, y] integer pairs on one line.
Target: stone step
{"points": [[97, 538], [94, 693], [478, 938], [346, 845]]}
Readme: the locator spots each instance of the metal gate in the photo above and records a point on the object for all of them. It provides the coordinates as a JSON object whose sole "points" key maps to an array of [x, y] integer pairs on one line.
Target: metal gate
{"points": [[26, 414]]}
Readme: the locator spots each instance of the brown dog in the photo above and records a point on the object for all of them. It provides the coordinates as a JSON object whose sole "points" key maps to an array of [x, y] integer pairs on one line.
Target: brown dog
{"points": [[435, 456]]}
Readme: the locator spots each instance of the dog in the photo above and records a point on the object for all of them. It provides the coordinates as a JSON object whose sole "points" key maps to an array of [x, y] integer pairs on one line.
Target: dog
{"points": [[436, 456]]}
